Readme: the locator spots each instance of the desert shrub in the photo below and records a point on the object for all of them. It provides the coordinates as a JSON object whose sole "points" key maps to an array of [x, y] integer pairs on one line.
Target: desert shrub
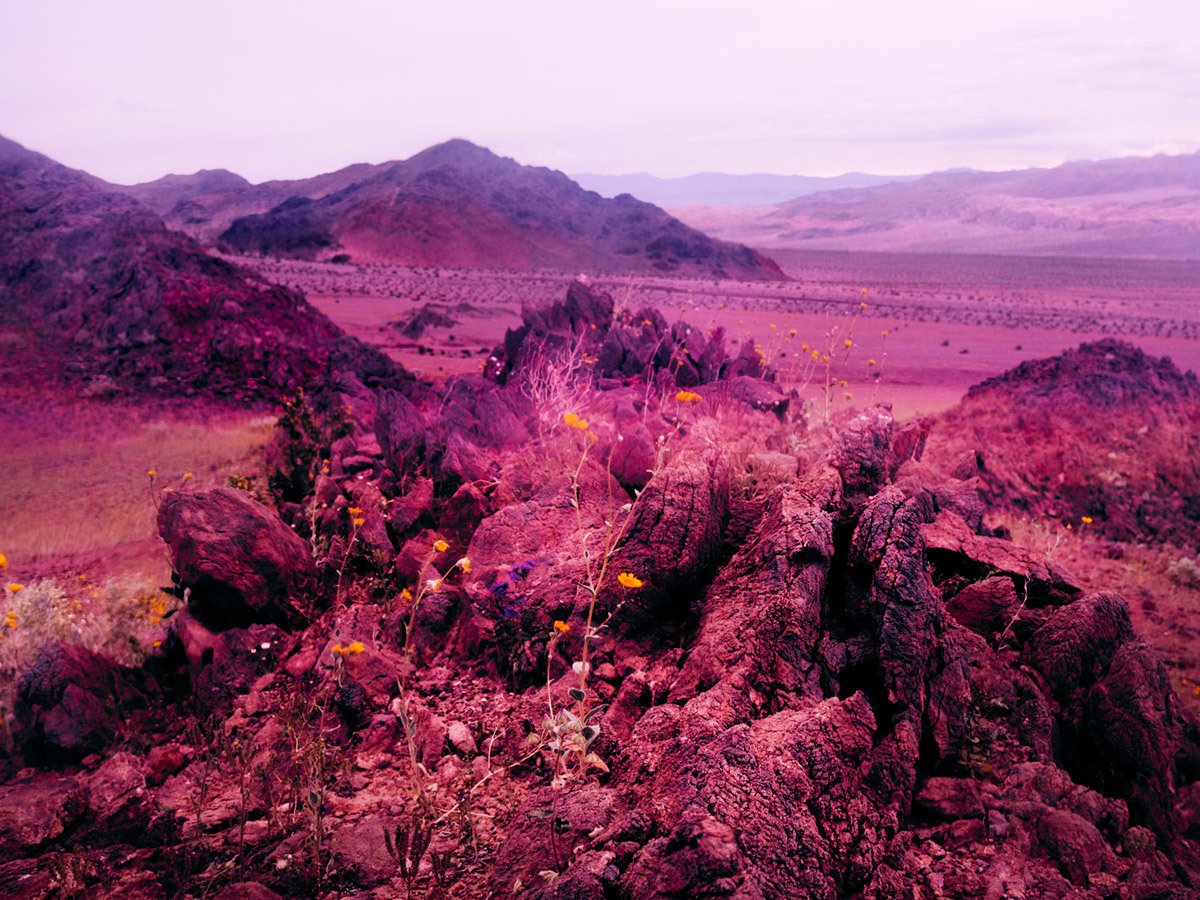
{"points": [[119, 618], [1184, 572], [300, 449]]}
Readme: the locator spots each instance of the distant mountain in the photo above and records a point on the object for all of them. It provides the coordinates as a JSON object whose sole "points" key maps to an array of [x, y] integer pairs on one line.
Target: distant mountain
{"points": [[1145, 207], [108, 294], [454, 204], [717, 189]]}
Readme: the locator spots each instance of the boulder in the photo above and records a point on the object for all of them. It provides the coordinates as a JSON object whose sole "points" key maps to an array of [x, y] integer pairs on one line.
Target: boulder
{"points": [[70, 703], [237, 561]]}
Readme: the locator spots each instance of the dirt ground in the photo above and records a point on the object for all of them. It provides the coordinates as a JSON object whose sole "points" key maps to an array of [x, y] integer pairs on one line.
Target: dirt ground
{"points": [[951, 321]]}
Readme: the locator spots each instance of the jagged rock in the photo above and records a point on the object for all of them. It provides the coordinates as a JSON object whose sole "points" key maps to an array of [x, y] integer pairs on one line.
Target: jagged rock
{"points": [[1133, 720], [676, 527], [400, 429], [1077, 643], [162, 762], [69, 703], [239, 562], [899, 610], [700, 858], [359, 847], [986, 606], [225, 664], [761, 619], [792, 786], [1076, 845], [860, 450], [954, 548], [528, 843], [1102, 430], [35, 812]]}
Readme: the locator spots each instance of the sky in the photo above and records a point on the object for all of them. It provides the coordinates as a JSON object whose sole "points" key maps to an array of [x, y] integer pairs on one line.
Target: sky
{"points": [[131, 91]]}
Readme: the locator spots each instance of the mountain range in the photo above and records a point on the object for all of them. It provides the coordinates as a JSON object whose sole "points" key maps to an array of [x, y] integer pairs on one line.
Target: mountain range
{"points": [[719, 189], [1146, 207], [454, 204]]}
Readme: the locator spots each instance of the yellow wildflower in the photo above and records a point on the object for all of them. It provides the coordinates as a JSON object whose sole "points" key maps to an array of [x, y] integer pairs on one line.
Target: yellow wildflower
{"points": [[863, 305], [358, 521], [355, 648], [629, 581], [573, 421], [561, 626], [338, 650], [849, 343], [11, 619], [1086, 520], [354, 511], [464, 564], [440, 546], [870, 362], [864, 290], [152, 473], [406, 594], [688, 397], [187, 475], [3, 561], [16, 587]]}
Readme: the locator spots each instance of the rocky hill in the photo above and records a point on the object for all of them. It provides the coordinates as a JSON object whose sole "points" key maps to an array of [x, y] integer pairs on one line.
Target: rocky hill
{"points": [[602, 627], [1130, 207], [1103, 431], [94, 286], [454, 204]]}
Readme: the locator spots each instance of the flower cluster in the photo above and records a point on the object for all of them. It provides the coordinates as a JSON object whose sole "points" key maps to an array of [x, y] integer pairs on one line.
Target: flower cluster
{"points": [[688, 397], [503, 591], [574, 421], [354, 648]]}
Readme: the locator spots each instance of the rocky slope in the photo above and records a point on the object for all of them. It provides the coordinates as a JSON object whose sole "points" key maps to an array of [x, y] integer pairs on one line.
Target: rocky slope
{"points": [[571, 632], [1132, 207], [94, 286], [454, 204], [1103, 431]]}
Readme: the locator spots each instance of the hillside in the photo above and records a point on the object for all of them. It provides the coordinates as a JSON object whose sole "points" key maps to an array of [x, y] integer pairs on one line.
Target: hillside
{"points": [[1103, 431], [1145, 207], [605, 644], [94, 286], [454, 204]]}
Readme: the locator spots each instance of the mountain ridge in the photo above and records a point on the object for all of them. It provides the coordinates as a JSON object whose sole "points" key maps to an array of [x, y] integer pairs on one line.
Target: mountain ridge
{"points": [[458, 204], [1126, 207]]}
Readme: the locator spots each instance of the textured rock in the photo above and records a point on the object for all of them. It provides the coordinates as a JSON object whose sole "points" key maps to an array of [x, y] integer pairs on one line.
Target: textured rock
{"points": [[240, 563], [69, 703]]}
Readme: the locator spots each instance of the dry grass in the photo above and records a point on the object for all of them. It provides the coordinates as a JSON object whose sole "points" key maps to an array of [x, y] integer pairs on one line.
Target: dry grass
{"points": [[75, 474]]}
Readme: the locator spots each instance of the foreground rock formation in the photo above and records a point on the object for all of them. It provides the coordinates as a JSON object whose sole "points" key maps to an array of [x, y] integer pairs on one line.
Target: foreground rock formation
{"points": [[818, 674]]}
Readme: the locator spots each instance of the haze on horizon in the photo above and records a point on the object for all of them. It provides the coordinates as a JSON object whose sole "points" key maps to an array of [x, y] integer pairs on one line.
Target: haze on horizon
{"points": [[131, 91]]}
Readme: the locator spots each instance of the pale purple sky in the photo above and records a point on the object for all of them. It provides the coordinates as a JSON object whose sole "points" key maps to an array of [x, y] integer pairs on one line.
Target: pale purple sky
{"points": [[133, 90]]}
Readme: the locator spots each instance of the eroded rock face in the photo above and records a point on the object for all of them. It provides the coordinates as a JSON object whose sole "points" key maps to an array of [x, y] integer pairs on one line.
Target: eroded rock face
{"points": [[241, 564]]}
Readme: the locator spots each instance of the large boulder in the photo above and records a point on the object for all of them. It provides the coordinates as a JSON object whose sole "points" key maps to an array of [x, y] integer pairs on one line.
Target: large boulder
{"points": [[238, 562], [70, 703]]}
